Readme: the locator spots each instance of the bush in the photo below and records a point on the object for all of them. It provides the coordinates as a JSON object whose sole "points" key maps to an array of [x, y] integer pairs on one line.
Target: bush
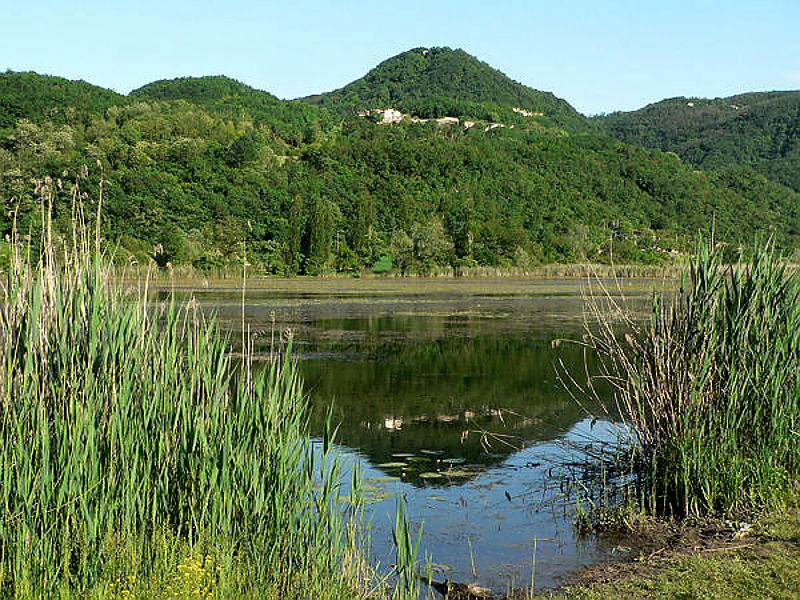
{"points": [[382, 265]]}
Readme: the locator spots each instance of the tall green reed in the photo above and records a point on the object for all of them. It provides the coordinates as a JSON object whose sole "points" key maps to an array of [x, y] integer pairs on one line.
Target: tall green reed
{"points": [[407, 554], [118, 418], [708, 386]]}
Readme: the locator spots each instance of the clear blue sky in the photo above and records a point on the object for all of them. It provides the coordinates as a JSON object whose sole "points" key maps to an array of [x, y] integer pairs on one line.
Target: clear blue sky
{"points": [[600, 55]]}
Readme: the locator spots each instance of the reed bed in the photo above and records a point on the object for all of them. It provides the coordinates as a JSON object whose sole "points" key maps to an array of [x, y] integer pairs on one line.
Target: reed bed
{"points": [[233, 273], [708, 387], [545, 271], [136, 452]]}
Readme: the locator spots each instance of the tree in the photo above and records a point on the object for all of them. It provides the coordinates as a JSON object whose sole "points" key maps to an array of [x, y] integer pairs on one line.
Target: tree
{"points": [[431, 246], [323, 217], [402, 248], [229, 237]]}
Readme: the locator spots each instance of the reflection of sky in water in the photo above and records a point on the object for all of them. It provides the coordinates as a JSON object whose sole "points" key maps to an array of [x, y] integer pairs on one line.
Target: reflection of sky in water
{"points": [[410, 373], [497, 514]]}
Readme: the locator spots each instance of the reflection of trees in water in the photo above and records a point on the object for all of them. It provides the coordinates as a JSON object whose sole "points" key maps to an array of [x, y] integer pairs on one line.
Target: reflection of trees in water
{"points": [[456, 397]]}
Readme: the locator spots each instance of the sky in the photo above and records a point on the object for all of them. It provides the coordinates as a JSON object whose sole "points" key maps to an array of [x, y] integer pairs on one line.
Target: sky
{"points": [[600, 55]]}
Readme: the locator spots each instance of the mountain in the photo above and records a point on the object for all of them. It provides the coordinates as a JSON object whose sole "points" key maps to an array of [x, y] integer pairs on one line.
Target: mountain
{"points": [[294, 122], [758, 130], [440, 82], [211, 172], [38, 98]]}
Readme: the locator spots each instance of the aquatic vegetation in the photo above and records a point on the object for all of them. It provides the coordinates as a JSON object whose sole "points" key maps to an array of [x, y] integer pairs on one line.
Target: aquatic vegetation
{"points": [[709, 386], [407, 555], [128, 421]]}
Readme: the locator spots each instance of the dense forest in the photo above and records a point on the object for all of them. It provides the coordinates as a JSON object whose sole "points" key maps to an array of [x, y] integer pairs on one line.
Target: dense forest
{"points": [[440, 82], [758, 130], [211, 172]]}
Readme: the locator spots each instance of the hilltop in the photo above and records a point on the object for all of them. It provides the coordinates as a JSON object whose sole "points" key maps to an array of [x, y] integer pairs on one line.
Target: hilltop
{"points": [[758, 130], [36, 97], [293, 122], [441, 82], [208, 91]]}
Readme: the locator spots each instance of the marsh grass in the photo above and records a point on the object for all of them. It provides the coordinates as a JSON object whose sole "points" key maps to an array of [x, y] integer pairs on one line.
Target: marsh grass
{"points": [[569, 270], [407, 565], [708, 387], [233, 273], [133, 445]]}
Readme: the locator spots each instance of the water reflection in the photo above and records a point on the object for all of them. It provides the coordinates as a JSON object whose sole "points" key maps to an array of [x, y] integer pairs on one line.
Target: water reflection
{"points": [[440, 408], [450, 399]]}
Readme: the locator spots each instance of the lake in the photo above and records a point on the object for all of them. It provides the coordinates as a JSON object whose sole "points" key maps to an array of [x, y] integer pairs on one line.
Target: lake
{"points": [[447, 393]]}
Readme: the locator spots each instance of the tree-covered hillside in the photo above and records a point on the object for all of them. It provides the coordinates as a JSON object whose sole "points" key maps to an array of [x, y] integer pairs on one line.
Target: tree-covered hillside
{"points": [[40, 98], [759, 130], [210, 172], [293, 122], [439, 82]]}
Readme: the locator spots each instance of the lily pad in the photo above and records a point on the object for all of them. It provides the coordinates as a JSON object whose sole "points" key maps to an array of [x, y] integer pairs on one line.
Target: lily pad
{"points": [[383, 478], [373, 500], [377, 496], [454, 461], [458, 473], [430, 475], [393, 465]]}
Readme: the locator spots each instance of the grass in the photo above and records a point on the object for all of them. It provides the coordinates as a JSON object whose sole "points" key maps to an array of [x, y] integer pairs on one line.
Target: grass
{"points": [[708, 387], [765, 565], [233, 273], [140, 459]]}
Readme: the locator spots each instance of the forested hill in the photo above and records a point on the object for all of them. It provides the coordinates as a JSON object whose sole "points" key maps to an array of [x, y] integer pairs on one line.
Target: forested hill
{"points": [[441, 82], [198, 170], [293, 122], [40, 98], [208, 91], [759, 130]]}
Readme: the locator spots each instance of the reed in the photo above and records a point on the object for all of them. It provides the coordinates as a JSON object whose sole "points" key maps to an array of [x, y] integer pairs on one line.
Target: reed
{"points": [[708, 386], [131, 438], [407, 550], [547, 271]]}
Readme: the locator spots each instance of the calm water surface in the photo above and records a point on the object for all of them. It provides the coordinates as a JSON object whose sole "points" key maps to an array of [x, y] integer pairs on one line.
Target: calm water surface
{"points": [[447, 394]]}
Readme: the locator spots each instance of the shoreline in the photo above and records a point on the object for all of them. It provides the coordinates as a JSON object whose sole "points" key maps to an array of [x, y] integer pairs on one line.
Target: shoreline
{"points": [[706, 558], [556, 271]]}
